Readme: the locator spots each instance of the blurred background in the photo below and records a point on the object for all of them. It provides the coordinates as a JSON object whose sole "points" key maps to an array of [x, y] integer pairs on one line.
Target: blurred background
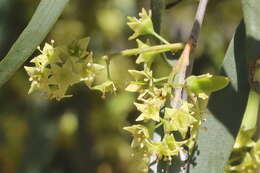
{"points": [[83, 134]]}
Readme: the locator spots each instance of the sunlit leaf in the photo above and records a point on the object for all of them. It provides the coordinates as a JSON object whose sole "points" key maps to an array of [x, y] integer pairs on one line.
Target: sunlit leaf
{"points": [[206, 83]]}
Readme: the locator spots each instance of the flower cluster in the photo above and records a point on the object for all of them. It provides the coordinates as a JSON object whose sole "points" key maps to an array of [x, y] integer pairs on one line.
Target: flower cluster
{"points": [[58, 68], [152, 103], [245, 156], [180, 125]]}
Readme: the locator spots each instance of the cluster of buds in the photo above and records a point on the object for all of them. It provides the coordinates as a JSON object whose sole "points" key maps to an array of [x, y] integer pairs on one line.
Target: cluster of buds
{"points": [[58, 68]]}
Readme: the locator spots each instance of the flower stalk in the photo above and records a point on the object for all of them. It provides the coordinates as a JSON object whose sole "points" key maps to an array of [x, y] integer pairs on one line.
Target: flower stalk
{"points": [[174, 47]]}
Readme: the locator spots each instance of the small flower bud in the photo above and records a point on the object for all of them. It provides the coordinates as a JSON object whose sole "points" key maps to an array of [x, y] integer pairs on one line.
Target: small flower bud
{"points": [[89, 64], [146, 79]]}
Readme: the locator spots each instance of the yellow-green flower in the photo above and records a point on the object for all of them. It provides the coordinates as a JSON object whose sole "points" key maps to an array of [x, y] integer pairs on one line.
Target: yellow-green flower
{"points": [[178, 119], [167, 148], [56, 69], [142, 26], [143, 79], [150, 109], [140, 134]]}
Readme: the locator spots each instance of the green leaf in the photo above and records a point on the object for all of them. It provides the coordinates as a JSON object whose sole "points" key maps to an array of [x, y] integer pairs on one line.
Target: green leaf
{"points": [[42, 21], [226, 107], [206, 83], [214, 146]]}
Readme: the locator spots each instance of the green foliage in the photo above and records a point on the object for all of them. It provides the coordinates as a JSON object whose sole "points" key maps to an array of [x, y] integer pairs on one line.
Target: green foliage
{"points": [[57, 68], [44, 18], [206, 83]]}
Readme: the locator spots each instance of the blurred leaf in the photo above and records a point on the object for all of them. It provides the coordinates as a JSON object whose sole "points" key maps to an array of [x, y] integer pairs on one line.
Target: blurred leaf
{"points": [[157, 7], [39, 145], [42, 21], [4, 12], [251, 12], [227, 108]]}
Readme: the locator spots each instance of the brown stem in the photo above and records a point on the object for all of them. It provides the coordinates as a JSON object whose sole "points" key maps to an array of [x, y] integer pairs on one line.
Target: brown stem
{"points": [[180, 70], [184, 65]]}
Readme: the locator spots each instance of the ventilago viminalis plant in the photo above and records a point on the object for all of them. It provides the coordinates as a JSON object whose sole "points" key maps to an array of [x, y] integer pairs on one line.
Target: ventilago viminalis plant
{"points": [[159, 100]]}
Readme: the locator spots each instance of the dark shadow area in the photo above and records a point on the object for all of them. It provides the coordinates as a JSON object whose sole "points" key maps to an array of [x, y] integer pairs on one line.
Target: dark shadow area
{"points": [[229, 104], [9, 33], [172, 4]]}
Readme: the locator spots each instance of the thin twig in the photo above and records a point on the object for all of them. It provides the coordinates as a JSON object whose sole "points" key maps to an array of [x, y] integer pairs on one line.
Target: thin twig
{"points": [[158, 49], [184, 65]]}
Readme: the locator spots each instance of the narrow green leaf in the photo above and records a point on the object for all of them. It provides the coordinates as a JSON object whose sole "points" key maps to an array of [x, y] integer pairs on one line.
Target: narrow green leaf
{"points": [[214, 145], [42, 21], [250, 116]]}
